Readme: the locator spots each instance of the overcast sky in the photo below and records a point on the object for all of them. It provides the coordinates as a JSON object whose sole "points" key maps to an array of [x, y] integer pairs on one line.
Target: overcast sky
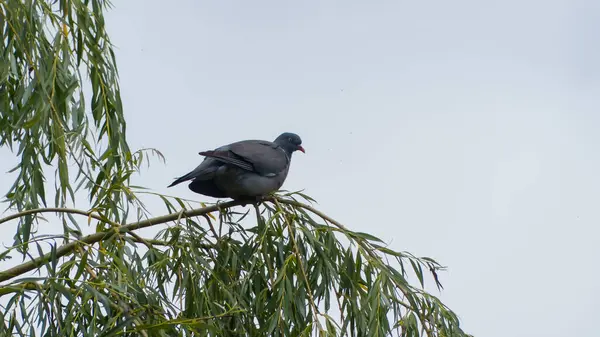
{"points": [[466, 131], [462, 130]]}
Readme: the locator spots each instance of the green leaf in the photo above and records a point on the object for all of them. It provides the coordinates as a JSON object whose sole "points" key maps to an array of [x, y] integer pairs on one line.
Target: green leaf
{"points": [[365, 236]]}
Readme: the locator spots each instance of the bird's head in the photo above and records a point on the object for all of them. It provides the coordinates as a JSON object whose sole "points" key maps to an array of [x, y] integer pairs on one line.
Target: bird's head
{"points": [[290, 142]]}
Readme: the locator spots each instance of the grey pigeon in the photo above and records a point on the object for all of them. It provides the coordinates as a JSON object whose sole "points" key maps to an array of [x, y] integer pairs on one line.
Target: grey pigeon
{"points": [[244, 170]]}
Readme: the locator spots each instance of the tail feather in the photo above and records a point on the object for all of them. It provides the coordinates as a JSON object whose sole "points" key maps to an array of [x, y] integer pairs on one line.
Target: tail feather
{"points": [[178, 181], [189, 176], [201, 172]]}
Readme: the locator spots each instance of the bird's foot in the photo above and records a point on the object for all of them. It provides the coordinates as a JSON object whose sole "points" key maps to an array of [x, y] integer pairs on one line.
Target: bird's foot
{"points": [[219, 207]]}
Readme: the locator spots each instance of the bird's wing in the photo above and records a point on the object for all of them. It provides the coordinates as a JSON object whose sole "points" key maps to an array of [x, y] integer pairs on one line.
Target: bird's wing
{"points": [[228, 157], [259, 156], [267, 158]]}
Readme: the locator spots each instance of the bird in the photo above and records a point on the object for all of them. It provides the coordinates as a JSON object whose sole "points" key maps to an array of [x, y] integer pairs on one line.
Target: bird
{"points": [[247, 169]]}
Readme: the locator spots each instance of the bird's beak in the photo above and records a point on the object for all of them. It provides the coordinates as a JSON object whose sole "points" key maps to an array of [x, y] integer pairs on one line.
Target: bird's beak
{"points": [[300, 148]]}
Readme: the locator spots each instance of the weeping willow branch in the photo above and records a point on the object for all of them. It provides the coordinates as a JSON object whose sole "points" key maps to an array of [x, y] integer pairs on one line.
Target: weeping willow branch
{"points": [[68, 248], [366, 244], [301, 265], [52, 210], [104, 235], [34, 286], [89, 214]]}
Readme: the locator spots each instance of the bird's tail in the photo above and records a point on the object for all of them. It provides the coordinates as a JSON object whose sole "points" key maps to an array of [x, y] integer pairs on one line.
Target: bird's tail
{"points": [[202, 172], [181, 179]]}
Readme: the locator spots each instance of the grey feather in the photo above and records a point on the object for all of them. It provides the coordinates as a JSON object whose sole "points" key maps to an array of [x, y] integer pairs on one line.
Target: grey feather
{"points": [[244, 169]]}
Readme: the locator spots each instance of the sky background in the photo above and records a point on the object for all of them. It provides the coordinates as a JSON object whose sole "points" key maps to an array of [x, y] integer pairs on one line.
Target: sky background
{"points": [[466, 131]]}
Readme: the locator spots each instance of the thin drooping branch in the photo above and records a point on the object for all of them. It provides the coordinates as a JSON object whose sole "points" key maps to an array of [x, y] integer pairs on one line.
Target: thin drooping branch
{"points": [[359, 241], [52, 210], [101, 236], [315, 310], [104, 235], [70, 247], [313, 210]]}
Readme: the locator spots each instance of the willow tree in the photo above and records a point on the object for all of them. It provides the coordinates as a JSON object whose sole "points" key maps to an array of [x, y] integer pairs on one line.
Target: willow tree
{"points": [[287, 270]]}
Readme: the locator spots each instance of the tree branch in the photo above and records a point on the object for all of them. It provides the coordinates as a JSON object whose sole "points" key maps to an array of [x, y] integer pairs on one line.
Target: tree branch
{"points": [[100, 236], [314, 310], [53, 210], [104, 235]]}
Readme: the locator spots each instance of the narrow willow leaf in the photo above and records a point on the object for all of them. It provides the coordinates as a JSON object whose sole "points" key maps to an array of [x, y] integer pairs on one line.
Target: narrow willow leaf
{"points": [[365, 236]]}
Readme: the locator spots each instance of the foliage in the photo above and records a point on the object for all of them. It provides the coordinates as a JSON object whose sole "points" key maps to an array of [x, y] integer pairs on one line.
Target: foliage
{"points": [[290, 270], [43, 108]]}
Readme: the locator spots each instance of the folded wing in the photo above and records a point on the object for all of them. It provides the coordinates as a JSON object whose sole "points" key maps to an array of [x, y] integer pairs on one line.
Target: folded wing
{"points": [[262, 157]]}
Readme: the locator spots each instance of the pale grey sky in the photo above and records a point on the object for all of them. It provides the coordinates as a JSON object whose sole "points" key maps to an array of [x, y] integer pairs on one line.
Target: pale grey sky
{"points": [[461, 130]]}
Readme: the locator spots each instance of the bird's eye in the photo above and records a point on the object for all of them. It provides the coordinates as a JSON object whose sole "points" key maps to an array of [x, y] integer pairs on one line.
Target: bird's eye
{"points": [[290, 139]]}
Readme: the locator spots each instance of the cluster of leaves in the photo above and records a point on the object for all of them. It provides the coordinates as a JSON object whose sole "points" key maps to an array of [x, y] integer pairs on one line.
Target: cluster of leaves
{"points": [[46, 49], [294, 272], [289, 275]]}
